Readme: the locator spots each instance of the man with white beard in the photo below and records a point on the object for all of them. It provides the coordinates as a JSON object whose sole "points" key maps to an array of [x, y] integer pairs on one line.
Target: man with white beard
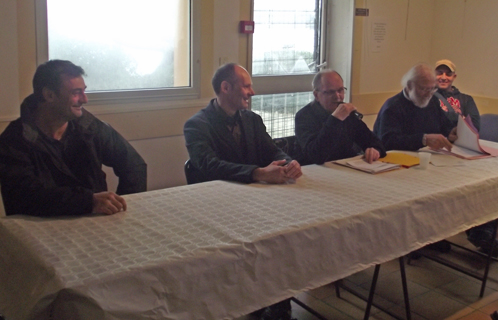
{"points": [[412, 119]]}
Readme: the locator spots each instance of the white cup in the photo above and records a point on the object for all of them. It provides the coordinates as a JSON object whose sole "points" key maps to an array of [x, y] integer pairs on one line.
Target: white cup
{"points": [[425, 158]]}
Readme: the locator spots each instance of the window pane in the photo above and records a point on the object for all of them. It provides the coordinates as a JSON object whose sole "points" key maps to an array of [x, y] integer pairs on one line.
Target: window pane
{"points": [[123, 44], [278, 111], [286, 36]]}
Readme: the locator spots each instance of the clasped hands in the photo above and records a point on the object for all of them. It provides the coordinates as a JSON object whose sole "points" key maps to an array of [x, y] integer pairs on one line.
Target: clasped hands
{"points": [[278, 172]]}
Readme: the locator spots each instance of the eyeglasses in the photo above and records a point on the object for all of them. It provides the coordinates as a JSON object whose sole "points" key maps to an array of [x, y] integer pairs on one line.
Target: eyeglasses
{"points": [[333, 92], [426, 89]]}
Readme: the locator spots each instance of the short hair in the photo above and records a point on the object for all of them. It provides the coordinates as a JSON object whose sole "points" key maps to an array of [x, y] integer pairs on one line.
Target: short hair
{"points": [[49, 75], [224, 73], [417, 72], [317, 79]]}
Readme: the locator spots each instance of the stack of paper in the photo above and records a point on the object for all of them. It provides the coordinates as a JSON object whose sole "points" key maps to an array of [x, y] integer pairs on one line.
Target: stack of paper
{"points": [[362, 165], [467, 144]]}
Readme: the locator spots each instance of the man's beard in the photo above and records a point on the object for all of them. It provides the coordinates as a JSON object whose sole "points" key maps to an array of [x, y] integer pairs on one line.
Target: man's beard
{"points": [[419, 102]]}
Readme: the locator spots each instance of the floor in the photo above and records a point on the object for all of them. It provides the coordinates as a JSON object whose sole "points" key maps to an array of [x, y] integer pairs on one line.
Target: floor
{"points": [[435, 291]]}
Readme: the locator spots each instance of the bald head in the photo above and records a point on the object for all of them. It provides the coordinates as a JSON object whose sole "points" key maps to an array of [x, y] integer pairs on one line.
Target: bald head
{"points": [[328, 89], [233, 87], [327, 73]]}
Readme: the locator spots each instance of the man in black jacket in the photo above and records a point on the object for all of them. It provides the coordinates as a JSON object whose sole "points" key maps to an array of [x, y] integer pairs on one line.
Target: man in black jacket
{"points": [[51, 157], [225, 141], [328, 129]]}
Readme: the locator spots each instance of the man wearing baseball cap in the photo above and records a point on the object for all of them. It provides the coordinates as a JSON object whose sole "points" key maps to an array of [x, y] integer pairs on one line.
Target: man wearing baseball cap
{"points": [[451, 100], [455, 103]]}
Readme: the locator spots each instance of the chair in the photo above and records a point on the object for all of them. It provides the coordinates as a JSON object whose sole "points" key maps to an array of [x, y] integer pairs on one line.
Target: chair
{"points": [[489, 127], [290, 146], [192, 174], [286, 144]]}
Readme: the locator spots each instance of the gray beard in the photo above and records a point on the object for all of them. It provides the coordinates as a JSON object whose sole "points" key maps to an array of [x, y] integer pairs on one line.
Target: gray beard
{"points": [[417, 101]]}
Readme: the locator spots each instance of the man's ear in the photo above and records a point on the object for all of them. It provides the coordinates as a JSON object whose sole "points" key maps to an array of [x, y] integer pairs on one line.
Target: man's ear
{"points": [[48, 94], [225, 86], [315, 93], [409, 85]]}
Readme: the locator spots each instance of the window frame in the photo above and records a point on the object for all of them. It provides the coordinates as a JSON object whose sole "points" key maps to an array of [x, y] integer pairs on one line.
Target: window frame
{"points": [[140, 95], [275, 84]]}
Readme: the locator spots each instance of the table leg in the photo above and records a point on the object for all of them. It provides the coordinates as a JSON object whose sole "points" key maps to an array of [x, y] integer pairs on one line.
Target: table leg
{"points": [[488, 260], [372, 291], [405, 287]]}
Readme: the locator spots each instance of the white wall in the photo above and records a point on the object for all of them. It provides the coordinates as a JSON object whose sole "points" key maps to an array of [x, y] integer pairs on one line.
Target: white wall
{"points": [[466, 32], [226, 36], [162, 156], [407, 41]]}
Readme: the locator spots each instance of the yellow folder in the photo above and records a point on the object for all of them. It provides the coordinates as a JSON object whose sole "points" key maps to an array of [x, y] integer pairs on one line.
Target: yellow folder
{"points": [[400, 158]]}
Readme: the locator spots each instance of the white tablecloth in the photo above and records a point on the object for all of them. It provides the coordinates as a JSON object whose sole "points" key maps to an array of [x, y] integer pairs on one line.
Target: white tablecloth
{"points": [[219, 250]]}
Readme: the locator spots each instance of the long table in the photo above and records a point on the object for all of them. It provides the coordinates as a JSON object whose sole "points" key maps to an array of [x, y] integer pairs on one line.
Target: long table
{"points": [[219, 250]]}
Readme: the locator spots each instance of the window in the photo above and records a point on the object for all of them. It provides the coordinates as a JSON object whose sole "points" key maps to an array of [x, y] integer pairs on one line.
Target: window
{"points": [[278, 111], [287, 37], [293, 39], [286, 42], [127, 48]]}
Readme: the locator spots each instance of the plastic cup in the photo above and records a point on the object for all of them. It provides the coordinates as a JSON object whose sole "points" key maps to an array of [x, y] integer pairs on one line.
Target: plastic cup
{"points": [[425, 158]]}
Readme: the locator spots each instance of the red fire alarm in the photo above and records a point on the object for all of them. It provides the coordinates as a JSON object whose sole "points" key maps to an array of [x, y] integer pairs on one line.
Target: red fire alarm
{"points": [[246, 26]]}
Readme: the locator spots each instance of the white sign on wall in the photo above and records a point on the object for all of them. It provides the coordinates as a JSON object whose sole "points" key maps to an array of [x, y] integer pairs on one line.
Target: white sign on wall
{"points": [[378, 35]]}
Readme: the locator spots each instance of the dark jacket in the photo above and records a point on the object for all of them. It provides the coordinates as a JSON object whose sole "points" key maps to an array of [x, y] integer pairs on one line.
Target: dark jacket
{"points": [[322, 137], [41, 176], [462, 104], [400, 124], [215, 153]]}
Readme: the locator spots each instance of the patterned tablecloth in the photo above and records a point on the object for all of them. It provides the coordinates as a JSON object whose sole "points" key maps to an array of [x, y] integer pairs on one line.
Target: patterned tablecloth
{"points": [[219, 250]]}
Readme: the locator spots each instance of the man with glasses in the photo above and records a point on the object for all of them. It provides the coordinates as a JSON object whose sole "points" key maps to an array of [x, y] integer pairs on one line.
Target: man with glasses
{"points": [[451, 100], [328, 129], [412, 119]]}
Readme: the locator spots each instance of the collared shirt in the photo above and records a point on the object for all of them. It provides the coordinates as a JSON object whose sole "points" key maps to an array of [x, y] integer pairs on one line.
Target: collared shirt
{"points": [[233, 123]]}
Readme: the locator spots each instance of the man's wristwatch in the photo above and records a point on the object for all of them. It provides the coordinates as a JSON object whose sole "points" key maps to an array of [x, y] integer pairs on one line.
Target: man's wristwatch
{"points": [[424, 140]]}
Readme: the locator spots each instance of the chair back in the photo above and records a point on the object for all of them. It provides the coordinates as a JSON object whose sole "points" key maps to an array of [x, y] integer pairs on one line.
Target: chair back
{"points": [[489, 127], [192, 174], [290, 146], [287, 144]]}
